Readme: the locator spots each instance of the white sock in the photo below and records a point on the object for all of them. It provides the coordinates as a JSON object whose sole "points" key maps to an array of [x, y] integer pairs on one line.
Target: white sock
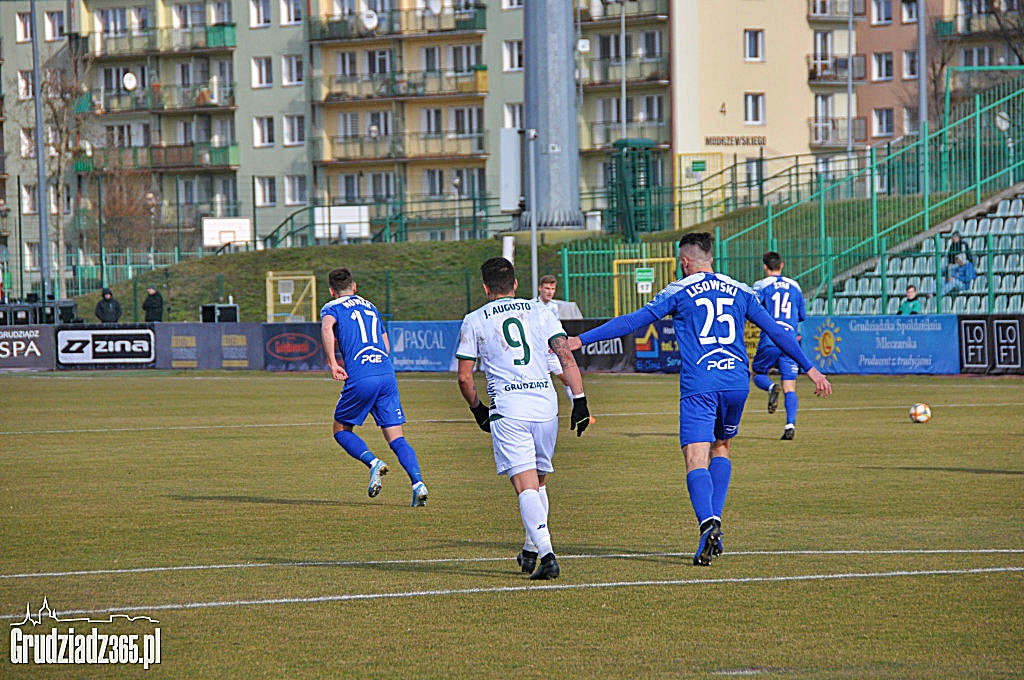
{"points": [[535, 520], [528, 544]]}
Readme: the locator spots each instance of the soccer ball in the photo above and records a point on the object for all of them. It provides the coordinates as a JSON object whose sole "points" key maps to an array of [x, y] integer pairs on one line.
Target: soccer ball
{"points": [[920, 413]]}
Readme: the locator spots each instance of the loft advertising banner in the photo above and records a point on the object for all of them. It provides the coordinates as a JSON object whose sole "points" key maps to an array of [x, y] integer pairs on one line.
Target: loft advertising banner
{"points": [[923, 344], [991, 344], [27, 348], [424, 345]]}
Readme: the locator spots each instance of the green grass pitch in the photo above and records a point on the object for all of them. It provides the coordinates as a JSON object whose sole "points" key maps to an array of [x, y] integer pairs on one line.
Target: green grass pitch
{"points": [[868, 547]]}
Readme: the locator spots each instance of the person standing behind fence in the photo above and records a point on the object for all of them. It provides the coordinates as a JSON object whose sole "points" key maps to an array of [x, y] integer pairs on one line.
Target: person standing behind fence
{"points": [[153, 305], [351, 325], [108, 309]]}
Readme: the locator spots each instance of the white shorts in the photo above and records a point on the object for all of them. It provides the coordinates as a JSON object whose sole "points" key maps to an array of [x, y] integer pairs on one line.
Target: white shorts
{"points": [[554, 365], [521, 445]]}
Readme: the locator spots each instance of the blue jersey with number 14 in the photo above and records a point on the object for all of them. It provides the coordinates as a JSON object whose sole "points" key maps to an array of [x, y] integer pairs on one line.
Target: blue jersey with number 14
{"points": [[709, 311], [782, 298], [360, 335]]}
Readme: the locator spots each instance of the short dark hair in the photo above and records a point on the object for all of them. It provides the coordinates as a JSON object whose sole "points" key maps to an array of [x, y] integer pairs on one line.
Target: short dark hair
{"points": [[340, 279], [499, 275], [548, 278], [702, 239], [912, 287], [772, 260]]}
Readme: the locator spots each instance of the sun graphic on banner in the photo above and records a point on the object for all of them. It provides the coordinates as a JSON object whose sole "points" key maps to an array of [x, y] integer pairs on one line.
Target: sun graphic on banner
{"points": [[826, 348]]}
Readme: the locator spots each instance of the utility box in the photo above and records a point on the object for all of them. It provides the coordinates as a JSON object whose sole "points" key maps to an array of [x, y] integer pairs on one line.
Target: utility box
{"points": [[217, 313]]}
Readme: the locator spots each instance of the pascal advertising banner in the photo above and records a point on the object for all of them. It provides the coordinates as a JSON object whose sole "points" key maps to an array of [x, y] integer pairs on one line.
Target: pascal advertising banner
{"points": [[890, 345]]}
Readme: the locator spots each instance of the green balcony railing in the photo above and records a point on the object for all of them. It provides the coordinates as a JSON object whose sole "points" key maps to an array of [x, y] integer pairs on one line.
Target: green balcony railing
{"points": [[609, 71], [161, 40], [595, 136], [213, 93], [198, 155], [392, 22]]}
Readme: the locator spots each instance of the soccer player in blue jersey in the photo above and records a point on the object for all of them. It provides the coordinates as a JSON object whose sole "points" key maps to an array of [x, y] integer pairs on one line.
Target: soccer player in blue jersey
{"points": [[784, 300], [353, 326], [708, 311]]}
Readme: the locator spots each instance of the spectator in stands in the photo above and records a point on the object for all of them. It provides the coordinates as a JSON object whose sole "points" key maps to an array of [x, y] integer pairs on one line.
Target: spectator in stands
{"points": [[961, 276], [153, 305], [108, 309], [956, 246], [910, 305]]}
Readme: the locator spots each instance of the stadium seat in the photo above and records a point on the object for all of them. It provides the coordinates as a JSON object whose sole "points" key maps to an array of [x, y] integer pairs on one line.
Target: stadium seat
{"points": [[970, 228], [897, 285], [996, 226], [850, 287], [1013, 263], [1004, 208], [841, 306], [1014, 304], [977, 244], [1001, 304], [1010, 225], [999, 263], [875, 287], [1004, 243], [1018, 226], [818, 306], [1019, 286], [981, 284], [862, 286], [983, 226], [856, 306], [894, 305], [927, 286], [922, 265], [974, 305], [1018, 243], [1017, 207]]}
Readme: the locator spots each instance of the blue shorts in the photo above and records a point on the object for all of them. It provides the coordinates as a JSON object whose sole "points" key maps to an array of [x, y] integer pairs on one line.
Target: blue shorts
{"points": [[376, 395], [771, 356], [710, 417]]}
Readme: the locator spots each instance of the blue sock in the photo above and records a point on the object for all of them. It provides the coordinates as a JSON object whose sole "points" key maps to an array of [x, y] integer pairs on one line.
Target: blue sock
{"points": [[700, 486], [791, 403], [354, 446], [720, 469], [762, 382], [407, 457]]}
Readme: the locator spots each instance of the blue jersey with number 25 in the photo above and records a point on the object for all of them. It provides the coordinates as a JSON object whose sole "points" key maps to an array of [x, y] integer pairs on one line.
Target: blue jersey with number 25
{"points": [[360, 335], [709, 312]]}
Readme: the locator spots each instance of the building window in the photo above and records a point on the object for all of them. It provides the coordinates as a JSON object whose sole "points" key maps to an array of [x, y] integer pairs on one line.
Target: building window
{"points": [[29, 199], [266, 191], [259, 13], [753, 108], [514, 115], [467, 120], [26, 85], [433, 183], [54, 27], [291, 69], [608, 109], [977, 56], [464, 57], [189, 16], [378, 61], [430, 58], [295, 190], [291, 13], [348, 124], [910, 122], [378, 124], [883, 121], [909, 11], [263, 131], [512, 55], [753, 45], [651, 41], [432, 125], [348, 187], [119, 135], [222, 12], [881, 11], [114, 21], [382, 185], [511, 4], [653, 109], [262, 72], [294, 130], [910, 64], [28, 142], [346, 63], [609, 46], [24, 27], [882, 63]]}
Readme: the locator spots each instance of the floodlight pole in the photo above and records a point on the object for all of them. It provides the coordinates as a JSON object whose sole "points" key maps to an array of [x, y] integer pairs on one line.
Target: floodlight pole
{"points": [[622, 64], [531, 144]]}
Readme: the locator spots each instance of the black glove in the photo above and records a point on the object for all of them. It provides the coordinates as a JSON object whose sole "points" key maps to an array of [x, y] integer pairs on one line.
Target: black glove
{"points": [[482, 414], [580, 418]]}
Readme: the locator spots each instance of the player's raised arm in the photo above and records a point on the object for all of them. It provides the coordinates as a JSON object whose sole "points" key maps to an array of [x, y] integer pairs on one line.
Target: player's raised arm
{"points": [[330, 348], [580, 417], [614, 328]]}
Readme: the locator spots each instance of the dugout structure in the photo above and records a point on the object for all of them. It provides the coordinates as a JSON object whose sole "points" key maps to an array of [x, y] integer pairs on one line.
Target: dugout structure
{"points": [[291, 296]]}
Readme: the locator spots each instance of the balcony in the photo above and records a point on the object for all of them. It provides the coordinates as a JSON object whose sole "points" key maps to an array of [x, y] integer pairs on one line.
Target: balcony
{"points": [[835, 132], [832, 69], [609, 71], [204, 156], [409, 146], [395, 22], [401, 84], [598, 136], [167, 98], [835, 10], [597, 10], [975, 24], [213, 38]]}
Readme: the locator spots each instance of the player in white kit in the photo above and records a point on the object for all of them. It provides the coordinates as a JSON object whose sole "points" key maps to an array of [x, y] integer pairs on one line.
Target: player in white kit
{"points": [[511, 336]]}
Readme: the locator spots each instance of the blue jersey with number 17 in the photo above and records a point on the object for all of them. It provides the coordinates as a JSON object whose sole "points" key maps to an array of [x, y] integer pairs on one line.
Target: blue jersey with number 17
{"points": [[782, 298], [360, 335], [709, 312]]}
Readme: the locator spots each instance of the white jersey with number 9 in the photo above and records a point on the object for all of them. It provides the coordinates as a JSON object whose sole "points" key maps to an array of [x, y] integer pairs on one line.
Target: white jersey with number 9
{"points": [[510, 337]]}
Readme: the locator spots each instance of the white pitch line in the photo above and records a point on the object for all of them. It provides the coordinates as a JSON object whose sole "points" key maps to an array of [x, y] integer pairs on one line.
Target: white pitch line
{"points": [[168, 428], [516, 589], [463, 560]]}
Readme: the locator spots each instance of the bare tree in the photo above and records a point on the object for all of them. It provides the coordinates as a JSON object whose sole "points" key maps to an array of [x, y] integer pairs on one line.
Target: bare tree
{"points": [[1010, 27]]}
